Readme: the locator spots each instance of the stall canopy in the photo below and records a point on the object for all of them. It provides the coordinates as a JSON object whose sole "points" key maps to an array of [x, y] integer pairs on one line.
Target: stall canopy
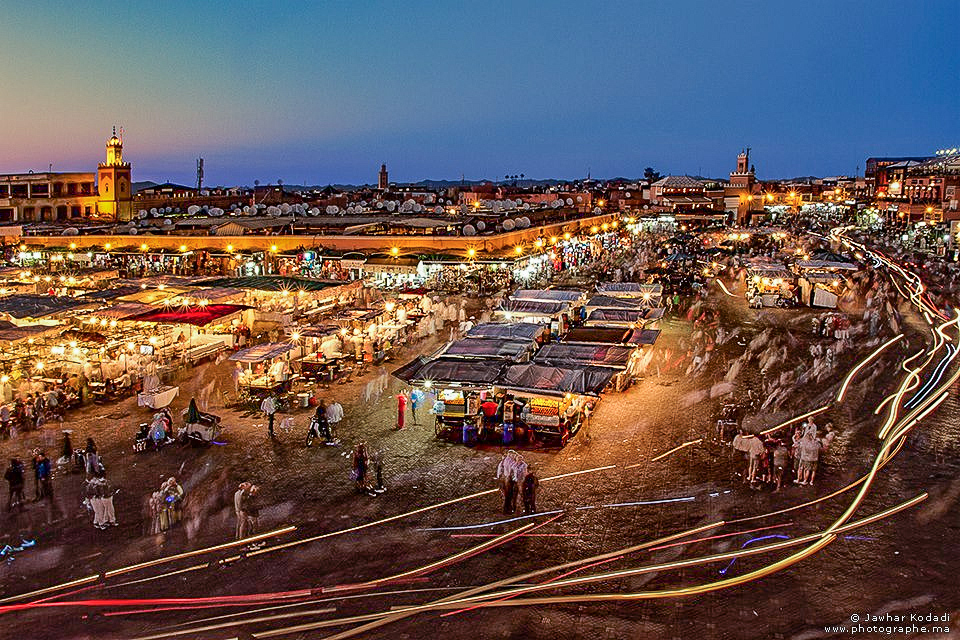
{"points": [[27, 305], [554, 295], [611, 335], [556, 381], [198, 315], [113, 294], [584, 354], [262, 352], [609, 302], [534, 307], [318, 332], [629, 289], [123, 310], [489, 348], [446, 371], [506, 330], [10, 332], [826, 264], [616, 315], [270, 283]]}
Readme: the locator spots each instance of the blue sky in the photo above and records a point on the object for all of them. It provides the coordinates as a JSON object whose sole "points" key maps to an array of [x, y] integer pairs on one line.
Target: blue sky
{"points": [[325, 91]]}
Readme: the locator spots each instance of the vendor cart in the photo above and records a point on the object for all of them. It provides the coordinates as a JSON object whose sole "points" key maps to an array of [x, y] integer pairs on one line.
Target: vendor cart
{"points": [[199, 426]]}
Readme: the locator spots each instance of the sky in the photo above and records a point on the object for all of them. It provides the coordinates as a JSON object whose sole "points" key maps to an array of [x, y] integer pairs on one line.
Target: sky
{"points": [[323, 92]]}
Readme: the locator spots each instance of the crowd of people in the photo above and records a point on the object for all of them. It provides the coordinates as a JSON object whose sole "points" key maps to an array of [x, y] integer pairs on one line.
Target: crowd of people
{"points": [[773, 460]]}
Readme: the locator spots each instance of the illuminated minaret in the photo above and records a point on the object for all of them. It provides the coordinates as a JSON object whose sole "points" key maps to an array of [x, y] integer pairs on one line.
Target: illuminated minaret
{"points": [[114, 191], [383, 182]]}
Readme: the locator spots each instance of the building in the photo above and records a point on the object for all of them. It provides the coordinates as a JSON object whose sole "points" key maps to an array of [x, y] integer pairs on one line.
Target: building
{"points": [[383, 180], [65, 196]]}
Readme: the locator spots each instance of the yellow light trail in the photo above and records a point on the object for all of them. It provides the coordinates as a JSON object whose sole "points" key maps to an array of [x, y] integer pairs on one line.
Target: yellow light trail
{"points": [[863, 363]]}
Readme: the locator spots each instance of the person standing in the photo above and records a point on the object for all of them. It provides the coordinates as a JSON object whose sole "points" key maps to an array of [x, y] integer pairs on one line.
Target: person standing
{"points": [[91, 459], [781, 458], [92, 495], [14, 478], [376, 460], [105, 494], [334, 416], [360, 464], [269, 407], [5, 420], [401, 408], [238, 504], [251, 509], [416, 400], [529, 490], [41, 466]]}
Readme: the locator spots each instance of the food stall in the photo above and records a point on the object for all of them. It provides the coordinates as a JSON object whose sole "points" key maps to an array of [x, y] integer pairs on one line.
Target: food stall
{"points": [[266, 369], [515, 350], [460, 385], [548, 402], [768, 285], [555, 315], [511, 330], [649, 294]]}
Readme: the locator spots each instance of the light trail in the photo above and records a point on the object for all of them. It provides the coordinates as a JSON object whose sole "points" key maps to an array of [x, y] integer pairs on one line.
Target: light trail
{"points": [[863, 363], [647, 502], [722, 535], [720, 282], [677, 448], [493, 524], [749, 542], [799, 418]]}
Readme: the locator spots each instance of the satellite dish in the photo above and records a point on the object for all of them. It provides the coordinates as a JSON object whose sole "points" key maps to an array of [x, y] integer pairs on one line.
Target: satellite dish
{"points": [[144, 223], [579, 199], [597, 210], [71, 231], [191, 210], [509, 225], [153, 211], [285, 208], [468, 230], [626, 195], [216, 212], [646, 206], [133, 231], [524, 222], [557, 204], [391, 205], [417, 207], [168, 209], [464, 208], [314, 211], [438, 209], [526, 206], [569, 202], [142, 213], [481, 225], [379, 205], [167, 222]]}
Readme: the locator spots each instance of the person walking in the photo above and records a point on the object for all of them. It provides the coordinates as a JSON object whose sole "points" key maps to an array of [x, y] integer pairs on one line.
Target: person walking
{"points": [[401, 408], [529, 491], [14, 478], [238, 504], [105, 494], [269, 407], [92, 498]]}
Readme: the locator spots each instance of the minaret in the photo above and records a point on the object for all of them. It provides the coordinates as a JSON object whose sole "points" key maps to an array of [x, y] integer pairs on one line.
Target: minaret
{"points": [[383, 181], [113, 183]]}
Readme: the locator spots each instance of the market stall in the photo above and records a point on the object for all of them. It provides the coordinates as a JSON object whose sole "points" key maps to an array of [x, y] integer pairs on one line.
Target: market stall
{"points": [[266, 369], [515, 350], [510, 330], [555, 315]]}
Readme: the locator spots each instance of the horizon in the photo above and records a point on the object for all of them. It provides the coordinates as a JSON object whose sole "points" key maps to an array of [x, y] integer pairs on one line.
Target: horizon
{"points": [[325, 94]]}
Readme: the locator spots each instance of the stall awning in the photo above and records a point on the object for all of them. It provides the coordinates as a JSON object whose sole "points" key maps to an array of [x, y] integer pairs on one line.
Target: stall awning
{"points": [[556, 381], [11, 333], [318, 332], [602, 335], [270, 283], [446, 371], [506, 330], [584, 354], [123, 310], [196, 315], [617, 315], [113, 293], [489, 348], [262, 352], [28, 305], [550, 295], [644, 336], [534, 307], [631, 289], [609, 302]]}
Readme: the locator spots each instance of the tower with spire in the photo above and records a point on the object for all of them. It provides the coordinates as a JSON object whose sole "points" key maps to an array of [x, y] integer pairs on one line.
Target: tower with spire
{"points": [[114, 189]]}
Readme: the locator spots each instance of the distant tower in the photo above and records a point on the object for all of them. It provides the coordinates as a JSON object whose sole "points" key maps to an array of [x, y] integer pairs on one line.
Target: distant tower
{"points": [[115, 197], [383, 181], [744, 176], [199, 173]]}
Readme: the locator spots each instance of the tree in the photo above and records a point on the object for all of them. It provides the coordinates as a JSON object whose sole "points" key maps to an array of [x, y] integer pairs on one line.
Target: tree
{"points": [[650, 175]]}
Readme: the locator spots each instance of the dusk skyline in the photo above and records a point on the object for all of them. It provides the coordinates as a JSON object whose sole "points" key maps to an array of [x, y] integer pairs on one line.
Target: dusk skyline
{"points": [[324, 95]]}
